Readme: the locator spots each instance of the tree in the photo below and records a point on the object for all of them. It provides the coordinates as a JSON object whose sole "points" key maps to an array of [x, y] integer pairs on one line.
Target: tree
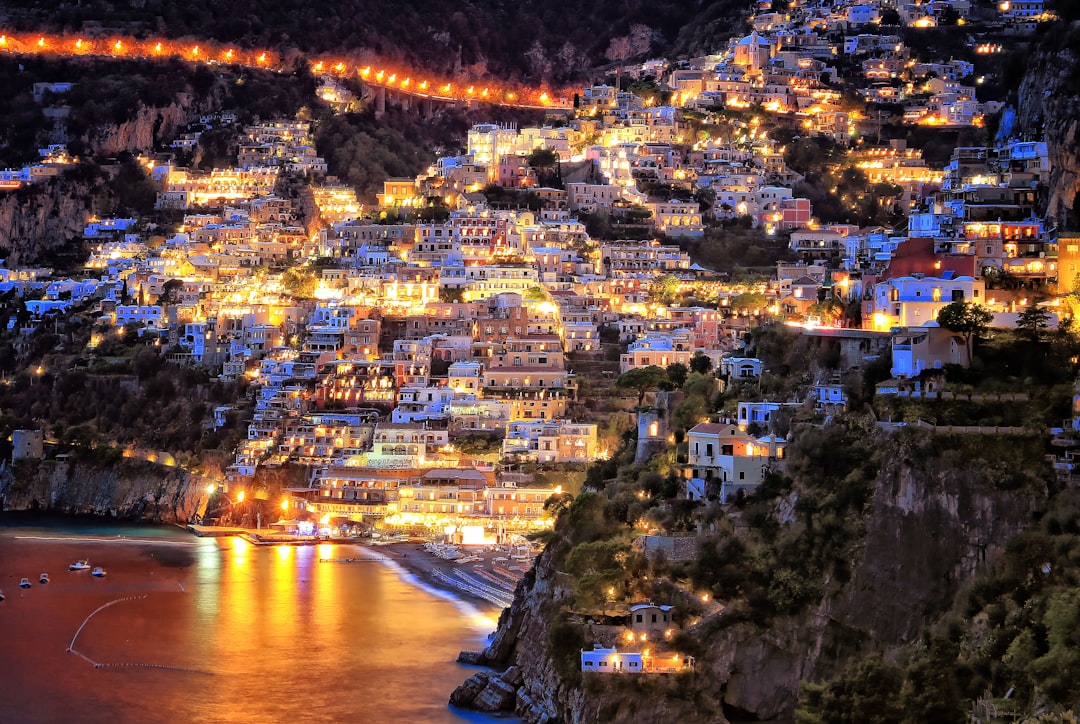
{"points": [[169, 291], [663, 289], [557, 503], [543, 158], [451, 294], [642, 379], [748, 302], [967, 319], [700, 363], [535, 294], [1033, 321], [676, 372]]}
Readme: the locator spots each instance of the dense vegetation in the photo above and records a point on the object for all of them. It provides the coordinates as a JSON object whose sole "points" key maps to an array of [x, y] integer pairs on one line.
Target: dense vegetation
{"points": [[556, 41], [801, 539], [121, 394], [110, 92], [362, 150]]}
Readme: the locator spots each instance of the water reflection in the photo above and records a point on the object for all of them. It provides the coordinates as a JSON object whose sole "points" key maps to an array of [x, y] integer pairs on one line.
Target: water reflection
{"points": [[283, 635]]}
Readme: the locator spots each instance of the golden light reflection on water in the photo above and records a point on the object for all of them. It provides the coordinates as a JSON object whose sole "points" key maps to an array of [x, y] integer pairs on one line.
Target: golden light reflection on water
{"points": [[281, 636]]}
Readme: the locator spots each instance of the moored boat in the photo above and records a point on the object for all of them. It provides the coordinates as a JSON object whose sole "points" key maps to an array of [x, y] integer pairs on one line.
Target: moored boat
{"points": [[79, 566], [44, 578], [99, 572], [24, 583]]}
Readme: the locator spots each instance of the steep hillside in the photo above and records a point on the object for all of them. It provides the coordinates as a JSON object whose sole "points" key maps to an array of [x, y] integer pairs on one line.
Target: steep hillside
{"points": [[864, 555], [554, 41], [1049, 105]]}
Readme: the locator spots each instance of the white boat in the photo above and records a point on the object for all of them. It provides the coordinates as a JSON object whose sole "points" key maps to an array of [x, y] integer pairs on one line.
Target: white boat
{"points": [[79, 566], [99, 572], [1, 595], [24, 583], [44, 578]]}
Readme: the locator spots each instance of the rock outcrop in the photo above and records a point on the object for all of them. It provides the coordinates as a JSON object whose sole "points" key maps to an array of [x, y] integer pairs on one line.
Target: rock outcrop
{"points": [[130, 489], [146, 130], [37, 221], [1049, 106]]}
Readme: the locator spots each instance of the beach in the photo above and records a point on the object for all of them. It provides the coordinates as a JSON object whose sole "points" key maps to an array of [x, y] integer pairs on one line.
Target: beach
{"points": [[487, 575]]}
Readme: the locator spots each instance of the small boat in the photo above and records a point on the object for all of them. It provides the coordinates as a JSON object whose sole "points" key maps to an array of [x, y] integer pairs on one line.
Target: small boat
{"points": [[99, 572], [24, 583], [44, 578], [79, 566], [1, 595]]}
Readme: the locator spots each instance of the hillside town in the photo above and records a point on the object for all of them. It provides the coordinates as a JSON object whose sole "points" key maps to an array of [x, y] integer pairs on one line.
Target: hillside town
{"points": [[419, 358]]}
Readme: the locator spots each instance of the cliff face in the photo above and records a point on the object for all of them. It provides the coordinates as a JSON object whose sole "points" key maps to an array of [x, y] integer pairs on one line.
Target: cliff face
{"points": [[149, 128], [38, 220], [1049, 102], [131, 489], [931, 526]]}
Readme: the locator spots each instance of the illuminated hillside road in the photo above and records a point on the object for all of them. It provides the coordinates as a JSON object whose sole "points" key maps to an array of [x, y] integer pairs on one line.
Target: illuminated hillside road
{"points": [[398, 80]]}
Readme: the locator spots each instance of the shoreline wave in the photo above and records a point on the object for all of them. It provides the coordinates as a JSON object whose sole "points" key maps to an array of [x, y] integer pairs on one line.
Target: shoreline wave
{"points": [[478, 619]]}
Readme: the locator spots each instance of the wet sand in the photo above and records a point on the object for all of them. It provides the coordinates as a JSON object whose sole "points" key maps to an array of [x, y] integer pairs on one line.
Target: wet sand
{"points": [[489, 581]]}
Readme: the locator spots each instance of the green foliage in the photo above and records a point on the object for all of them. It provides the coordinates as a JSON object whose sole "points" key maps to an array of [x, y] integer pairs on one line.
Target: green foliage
{"points": [[967, 319], [451, 294], [701, 363], [363, 151], [868, 692], [299, 282], [748, 302], [642, 379], [735, 250], [676, 373], [599, 568], [565, 642], [1033, 321], [663, 289], [543, 158]]}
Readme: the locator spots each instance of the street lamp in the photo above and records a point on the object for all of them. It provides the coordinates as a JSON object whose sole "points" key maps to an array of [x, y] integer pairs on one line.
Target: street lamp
{"points": [[212, 490]]}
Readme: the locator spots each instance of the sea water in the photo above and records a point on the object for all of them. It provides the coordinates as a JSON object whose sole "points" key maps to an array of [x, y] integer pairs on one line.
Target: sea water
{"points": [[218, 630]]}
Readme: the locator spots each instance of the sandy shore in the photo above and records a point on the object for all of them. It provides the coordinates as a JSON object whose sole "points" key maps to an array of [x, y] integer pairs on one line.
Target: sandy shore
{"points": [[489, 580], [487, 576]]}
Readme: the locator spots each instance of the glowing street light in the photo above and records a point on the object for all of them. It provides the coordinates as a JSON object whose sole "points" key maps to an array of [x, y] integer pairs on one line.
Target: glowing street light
{"points": [[285, 505], [240, 497]]}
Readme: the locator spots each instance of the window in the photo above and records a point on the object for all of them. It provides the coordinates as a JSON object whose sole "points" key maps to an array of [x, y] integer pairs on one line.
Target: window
{"points": [[639, 618]]}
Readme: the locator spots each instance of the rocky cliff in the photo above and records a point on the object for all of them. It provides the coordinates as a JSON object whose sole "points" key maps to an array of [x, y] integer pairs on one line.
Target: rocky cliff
{"points": [[1049, 103], [931, 525], [148, 129], [37, 221], [130, 489]]}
